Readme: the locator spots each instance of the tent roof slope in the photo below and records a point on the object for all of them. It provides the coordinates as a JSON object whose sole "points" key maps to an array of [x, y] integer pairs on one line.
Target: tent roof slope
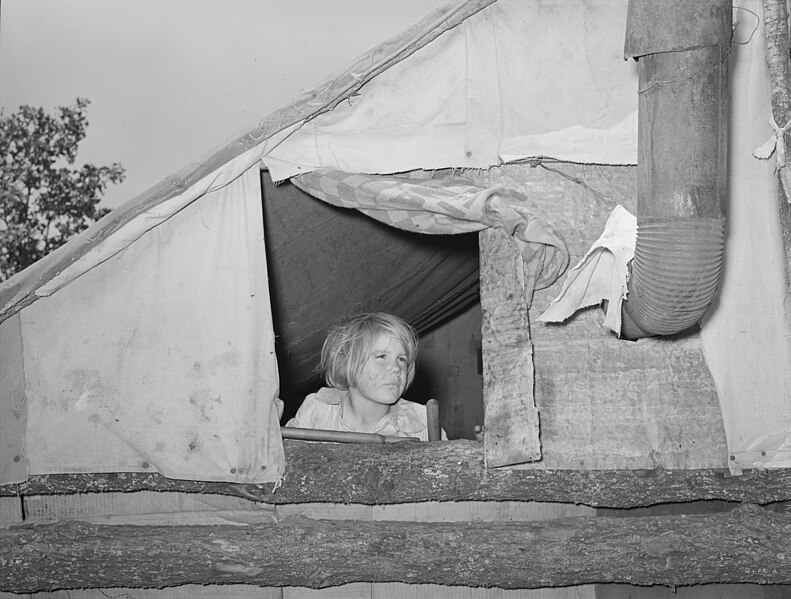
{"points": [[516, 81], [224, 164]]}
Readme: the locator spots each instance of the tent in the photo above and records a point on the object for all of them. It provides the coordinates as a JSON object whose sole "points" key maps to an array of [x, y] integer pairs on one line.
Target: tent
{"points": [[148, 342]]}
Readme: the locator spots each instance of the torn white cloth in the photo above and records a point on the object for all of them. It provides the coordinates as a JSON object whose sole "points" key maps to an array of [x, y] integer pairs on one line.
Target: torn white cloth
{"points": [[776, 145], [602, 274]]}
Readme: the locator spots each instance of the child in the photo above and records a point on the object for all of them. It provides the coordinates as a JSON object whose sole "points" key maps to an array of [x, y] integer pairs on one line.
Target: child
{"points": [[367, 363]]}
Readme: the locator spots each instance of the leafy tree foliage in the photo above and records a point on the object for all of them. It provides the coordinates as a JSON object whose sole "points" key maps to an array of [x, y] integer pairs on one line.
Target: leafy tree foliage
{"points": [[44, 199]]}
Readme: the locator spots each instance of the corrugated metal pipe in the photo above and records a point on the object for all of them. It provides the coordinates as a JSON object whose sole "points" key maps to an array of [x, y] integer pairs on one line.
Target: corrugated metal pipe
{"points": [[682, 49]]}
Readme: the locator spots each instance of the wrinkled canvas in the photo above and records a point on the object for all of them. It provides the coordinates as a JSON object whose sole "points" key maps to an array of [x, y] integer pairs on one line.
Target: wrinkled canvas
{"points": [[161, 359], [517, 79]]}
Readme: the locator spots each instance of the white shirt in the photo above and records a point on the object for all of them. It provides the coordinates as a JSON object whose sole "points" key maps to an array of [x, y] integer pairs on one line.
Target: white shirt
{"points": [[324, 410]]}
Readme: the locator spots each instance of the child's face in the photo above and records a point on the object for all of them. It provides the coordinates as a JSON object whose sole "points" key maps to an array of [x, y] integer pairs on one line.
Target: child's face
{"points": [[383, 377]]}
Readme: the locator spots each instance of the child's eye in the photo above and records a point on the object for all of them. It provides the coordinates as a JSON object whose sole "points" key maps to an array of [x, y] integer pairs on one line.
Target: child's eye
{"points": [[402, 359]]}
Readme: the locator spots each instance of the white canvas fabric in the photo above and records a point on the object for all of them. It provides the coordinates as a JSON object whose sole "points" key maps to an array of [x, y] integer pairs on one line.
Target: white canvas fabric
{"points": [[745, 336], [517, 79], [162, 358]]}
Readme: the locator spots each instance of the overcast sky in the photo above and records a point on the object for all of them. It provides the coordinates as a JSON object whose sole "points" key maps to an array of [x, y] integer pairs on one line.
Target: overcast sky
{"points": [[169, 80]]}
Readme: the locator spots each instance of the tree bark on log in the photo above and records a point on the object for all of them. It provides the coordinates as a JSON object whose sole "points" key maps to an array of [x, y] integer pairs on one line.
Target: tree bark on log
{"points": [[746, 545], [441, 471]]}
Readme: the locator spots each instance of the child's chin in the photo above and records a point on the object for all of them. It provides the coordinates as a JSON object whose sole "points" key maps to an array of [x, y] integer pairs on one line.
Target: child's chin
{"points": [[394, 394], [391, 399]]}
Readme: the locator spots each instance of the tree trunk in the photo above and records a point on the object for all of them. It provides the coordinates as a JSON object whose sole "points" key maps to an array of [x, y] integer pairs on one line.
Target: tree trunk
{"points": [[746, 545], [442, 471]]}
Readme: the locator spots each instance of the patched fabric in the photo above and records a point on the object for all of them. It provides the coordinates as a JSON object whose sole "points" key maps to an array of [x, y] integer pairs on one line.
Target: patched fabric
{"points": [[447, 206]]}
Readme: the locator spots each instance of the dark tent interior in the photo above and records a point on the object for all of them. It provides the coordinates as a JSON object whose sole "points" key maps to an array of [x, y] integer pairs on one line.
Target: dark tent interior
{"points": [[326, 263]]}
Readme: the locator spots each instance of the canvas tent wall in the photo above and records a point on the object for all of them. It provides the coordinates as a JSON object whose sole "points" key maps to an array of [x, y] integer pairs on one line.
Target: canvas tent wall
{"points": [[458, 91]]}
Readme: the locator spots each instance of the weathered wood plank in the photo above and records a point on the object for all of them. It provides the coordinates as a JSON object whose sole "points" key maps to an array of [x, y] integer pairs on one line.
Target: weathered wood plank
{"points": [[606, 403], [442, 471], [746, 545], [510, 413]]}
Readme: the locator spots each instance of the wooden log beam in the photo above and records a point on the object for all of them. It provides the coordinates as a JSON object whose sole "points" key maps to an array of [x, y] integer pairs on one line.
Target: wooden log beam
{"points": [[746, 545], [442, 471]]}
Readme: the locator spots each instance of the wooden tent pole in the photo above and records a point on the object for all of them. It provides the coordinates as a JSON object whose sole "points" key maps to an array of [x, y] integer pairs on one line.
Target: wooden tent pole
{"points": [[317, 434], [778, 46], [432, 419]]}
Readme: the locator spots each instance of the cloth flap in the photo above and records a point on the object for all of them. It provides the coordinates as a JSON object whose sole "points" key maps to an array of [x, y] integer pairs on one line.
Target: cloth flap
{"points": [[601, 275], [446, 206], [162, 357], [746, 333]]}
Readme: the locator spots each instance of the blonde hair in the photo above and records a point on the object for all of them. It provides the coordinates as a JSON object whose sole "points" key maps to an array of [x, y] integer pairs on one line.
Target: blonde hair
{"points": [[349, 344]]}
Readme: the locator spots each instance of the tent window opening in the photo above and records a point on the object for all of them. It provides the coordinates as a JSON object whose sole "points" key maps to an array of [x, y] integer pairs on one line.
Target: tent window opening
{"points": [[326, 263]]}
